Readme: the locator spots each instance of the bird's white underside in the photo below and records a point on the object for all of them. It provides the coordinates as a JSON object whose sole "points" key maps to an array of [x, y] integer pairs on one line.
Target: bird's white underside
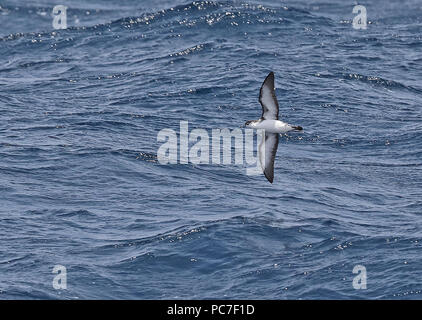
{"points": [[271, 126]]}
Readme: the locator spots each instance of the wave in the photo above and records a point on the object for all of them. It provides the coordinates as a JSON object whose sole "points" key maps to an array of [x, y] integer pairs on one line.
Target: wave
{"points": [[373, 80], [199, 12]]}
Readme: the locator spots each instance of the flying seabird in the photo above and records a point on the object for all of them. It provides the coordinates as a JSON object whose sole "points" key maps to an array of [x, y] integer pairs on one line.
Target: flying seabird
{"points": [[272, 126]]}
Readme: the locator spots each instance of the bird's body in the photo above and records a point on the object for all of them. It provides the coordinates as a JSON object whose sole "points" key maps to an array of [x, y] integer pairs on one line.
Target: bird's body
{"points": [[272, 126]]}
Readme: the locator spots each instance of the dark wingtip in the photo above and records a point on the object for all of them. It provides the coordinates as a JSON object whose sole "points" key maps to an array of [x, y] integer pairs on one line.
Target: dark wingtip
{"points": [[270, 179], [270, 75]]}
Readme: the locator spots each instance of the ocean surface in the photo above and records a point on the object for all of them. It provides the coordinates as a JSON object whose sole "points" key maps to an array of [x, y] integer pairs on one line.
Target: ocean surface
{"points": [[81, 186]]}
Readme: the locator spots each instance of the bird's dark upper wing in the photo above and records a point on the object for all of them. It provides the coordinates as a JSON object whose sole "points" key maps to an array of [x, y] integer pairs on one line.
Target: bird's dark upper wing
{"points": [[268, 99], [267, 152]]}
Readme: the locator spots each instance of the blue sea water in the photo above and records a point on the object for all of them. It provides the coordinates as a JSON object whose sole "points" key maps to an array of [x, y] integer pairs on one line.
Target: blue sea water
{"points": [[81, 186]]}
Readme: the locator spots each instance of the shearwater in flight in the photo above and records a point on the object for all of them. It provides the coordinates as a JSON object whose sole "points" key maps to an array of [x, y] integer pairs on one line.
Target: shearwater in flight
{"points": [[272, 126]]}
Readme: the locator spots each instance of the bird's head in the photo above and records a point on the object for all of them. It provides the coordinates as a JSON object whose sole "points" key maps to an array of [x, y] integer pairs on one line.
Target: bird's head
{"points": [[250, 123]]}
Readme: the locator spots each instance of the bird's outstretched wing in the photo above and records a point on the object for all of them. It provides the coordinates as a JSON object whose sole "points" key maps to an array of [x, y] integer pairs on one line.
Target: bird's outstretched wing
{"points": [[267, 151], [268, 99]]}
